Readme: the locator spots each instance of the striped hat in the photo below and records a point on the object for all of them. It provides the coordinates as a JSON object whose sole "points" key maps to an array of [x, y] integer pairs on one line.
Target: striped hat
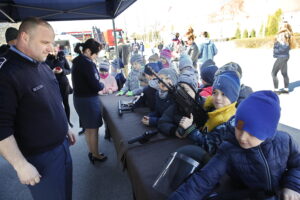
{"points": [[104, 66]]}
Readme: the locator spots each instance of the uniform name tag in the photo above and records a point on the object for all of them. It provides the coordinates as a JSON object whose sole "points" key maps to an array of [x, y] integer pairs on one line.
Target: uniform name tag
{"points": [[37, 88]]}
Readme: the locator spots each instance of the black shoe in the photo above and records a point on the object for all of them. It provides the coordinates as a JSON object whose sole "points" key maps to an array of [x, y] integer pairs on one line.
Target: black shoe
{"points": [[81, 132], [93, 158]]}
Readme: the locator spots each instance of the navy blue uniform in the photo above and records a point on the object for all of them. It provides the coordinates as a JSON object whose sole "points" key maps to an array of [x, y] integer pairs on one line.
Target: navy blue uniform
{"points": [[86, 84], [31, 109]]}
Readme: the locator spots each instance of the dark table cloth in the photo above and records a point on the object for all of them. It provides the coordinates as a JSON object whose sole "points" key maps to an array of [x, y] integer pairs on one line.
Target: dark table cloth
{"points": [[144, 162]]}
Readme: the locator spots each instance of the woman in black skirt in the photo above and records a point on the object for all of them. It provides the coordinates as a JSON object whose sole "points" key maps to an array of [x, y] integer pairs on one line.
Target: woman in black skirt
{"points": [[86, 85]]}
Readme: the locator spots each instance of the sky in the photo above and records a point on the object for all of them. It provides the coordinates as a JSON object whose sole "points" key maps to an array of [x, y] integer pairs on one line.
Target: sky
{"points": [[145, 15]]}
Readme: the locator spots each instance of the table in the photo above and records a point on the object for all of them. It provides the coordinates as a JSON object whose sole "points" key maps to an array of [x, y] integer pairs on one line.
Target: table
{"points": [[143, 162]]}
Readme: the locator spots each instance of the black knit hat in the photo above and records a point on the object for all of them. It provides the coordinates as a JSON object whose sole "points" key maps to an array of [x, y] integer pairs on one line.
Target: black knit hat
{"points": [[11, 33]]}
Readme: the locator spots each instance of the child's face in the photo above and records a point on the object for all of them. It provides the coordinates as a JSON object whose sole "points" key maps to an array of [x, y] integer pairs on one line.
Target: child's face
{"points": [[167, 80], [246, 140], [219, 99], [163, 60], [136, 66]]}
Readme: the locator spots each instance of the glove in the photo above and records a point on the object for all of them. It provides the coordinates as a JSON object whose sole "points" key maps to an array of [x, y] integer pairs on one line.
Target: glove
{"points": [[129, 93], [120, 93]]}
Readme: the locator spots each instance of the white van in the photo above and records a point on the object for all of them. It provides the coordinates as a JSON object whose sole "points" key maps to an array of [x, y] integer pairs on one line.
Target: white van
{"points": [[67, 43]]}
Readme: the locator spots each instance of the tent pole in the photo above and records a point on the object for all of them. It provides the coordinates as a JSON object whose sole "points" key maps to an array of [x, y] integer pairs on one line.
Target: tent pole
{"points": [[8, 17], [115, 38]]}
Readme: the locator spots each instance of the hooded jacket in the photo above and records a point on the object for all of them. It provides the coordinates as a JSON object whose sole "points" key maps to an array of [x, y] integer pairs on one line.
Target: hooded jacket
{"points": [[271, 166]]}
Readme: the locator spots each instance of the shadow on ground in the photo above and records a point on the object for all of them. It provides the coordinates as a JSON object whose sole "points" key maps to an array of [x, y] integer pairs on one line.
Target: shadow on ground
{"points": [[293, 85]]}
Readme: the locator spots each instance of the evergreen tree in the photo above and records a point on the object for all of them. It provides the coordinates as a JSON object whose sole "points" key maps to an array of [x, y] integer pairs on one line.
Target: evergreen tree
{"points": [[273, 23], [238, 33], [245, 34], [253, 34]]}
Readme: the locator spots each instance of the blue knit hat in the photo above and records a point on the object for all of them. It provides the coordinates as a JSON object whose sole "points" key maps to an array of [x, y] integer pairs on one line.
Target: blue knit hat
{"points": [[207, 63], [117, 63], [259, 114], [229, 83], [137, 58], [208, 74], [153, 66]]}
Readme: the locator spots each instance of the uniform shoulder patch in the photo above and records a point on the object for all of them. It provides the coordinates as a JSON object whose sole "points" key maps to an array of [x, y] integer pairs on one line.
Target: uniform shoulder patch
{"points": [[2, 61]]}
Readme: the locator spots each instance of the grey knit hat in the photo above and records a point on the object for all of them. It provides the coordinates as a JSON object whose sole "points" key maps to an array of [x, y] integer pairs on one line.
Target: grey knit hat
{"points": [[185, 61], [170, 73], [232, 66], [137, 58], [189, 78], [104, 65]]}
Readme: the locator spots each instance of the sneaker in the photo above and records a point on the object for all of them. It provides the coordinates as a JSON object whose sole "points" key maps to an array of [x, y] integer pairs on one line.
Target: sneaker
{"points": [[277, 91], [284, 90]]}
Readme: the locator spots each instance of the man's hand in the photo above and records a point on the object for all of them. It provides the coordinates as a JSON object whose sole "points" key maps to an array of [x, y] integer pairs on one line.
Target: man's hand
{"points": [[145, 120], [71, 137], [28, 174], [289, 194], [186, 122]]}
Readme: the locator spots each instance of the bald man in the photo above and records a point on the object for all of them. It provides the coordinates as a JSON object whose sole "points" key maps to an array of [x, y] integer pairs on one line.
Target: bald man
{"points": [[34, 133]]}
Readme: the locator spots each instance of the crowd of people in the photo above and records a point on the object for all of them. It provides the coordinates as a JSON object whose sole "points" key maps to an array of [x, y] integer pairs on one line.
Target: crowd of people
{"points": [[236, 132]]}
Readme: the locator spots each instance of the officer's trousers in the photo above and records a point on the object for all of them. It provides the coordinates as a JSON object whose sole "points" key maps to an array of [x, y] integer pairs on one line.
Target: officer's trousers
{"points": [[55, 167]]}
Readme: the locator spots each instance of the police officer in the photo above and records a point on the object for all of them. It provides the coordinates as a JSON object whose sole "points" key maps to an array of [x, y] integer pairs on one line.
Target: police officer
{"points": [[34, 135]]}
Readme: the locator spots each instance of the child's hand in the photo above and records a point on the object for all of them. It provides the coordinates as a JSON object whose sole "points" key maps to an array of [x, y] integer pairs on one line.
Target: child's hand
{"points": [[145, 120], [289, 194], [129, 93], [110, 91], [101, 92], [186, 122], [120, 93]]}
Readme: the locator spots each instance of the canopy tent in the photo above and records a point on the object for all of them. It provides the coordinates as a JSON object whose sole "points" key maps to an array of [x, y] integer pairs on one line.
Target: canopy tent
{"points": [[62, 10]]}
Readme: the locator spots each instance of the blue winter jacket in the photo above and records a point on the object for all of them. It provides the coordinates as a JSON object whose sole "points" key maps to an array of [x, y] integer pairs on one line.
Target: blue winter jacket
{"points": [[207, 50], [273, 165], [160, 106], [281, 50]]}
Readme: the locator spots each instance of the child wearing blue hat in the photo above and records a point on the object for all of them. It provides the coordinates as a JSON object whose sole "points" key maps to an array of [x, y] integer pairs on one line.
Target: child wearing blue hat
{"points": [[221, 106], [207, 75], [258, 158], [148, 92]]}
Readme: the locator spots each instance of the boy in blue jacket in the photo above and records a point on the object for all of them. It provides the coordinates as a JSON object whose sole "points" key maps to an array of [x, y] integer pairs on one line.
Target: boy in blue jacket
{"points": [[255, 155]]}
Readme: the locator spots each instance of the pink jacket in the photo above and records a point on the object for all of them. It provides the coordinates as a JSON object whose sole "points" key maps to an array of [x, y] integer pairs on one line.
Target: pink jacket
{"points": [[110, 83]]}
